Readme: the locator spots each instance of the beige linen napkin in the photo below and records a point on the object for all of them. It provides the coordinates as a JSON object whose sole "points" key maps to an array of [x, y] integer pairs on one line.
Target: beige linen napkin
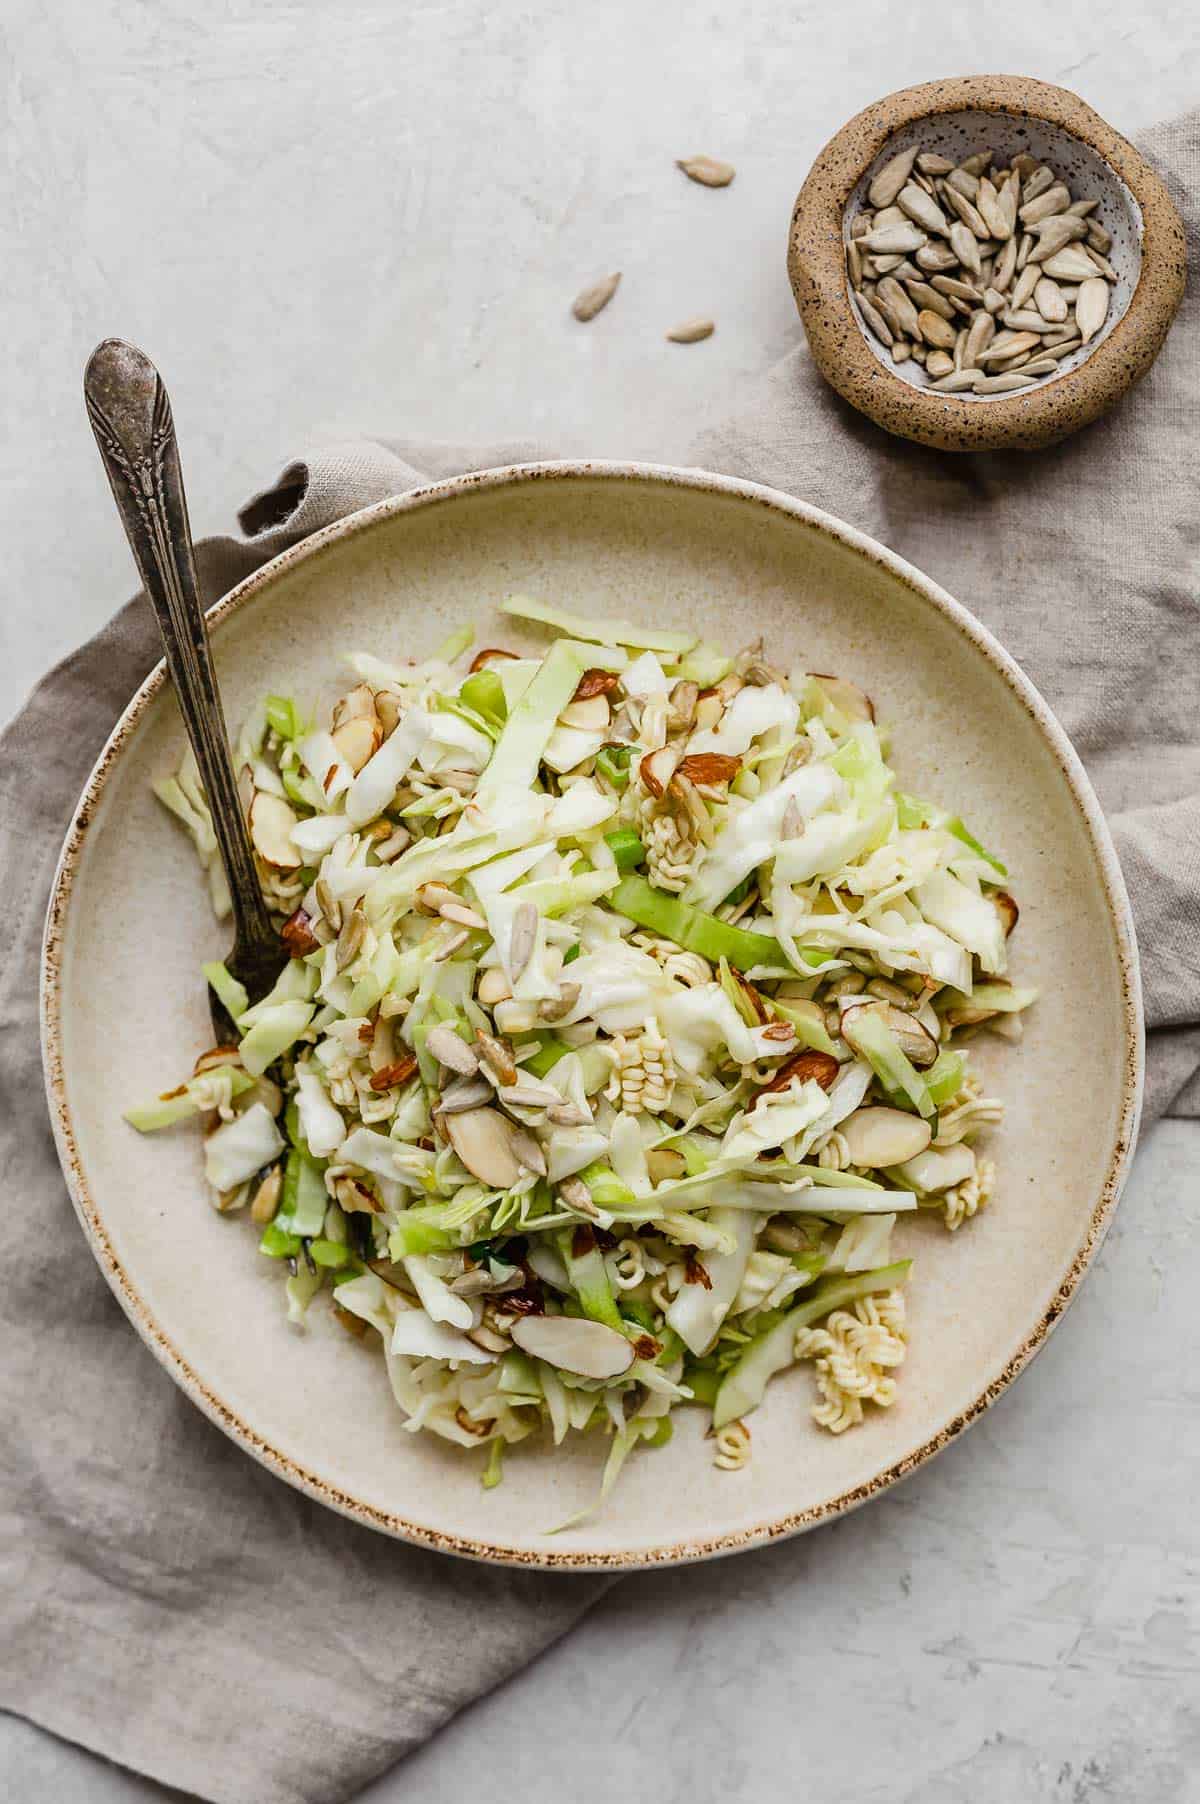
{"points": [[162, 1598]]}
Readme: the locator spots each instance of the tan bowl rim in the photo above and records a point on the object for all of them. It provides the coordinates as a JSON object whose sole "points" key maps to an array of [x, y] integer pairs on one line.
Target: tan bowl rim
{"points": [[91, 1217], [816, 267]]}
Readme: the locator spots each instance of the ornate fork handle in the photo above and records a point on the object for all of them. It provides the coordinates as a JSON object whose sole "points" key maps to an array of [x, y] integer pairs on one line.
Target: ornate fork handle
{"points": [[131, 418]]}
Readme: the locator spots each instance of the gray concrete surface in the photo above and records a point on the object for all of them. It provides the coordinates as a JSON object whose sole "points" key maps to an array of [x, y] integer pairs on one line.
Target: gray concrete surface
{"points": [[375, 216]]}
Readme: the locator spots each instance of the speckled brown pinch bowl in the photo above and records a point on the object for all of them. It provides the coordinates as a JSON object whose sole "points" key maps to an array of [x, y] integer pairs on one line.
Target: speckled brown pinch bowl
{"points": [[1008, 114], [125, 1010]]}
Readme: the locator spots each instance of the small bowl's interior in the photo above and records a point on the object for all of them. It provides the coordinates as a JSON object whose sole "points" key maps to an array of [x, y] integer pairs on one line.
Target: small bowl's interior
{"points": [[960, 134]]}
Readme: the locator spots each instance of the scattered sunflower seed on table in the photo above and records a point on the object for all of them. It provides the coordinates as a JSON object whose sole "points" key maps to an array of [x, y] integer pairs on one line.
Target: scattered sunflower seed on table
{"points": [[985, 274]]}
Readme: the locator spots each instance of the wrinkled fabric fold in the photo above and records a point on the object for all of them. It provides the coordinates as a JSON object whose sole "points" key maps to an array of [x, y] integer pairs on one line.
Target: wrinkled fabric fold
{"points": [[169, 1603]]}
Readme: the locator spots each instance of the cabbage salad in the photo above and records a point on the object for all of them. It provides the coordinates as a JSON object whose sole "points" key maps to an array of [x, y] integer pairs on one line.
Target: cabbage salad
{"points": [[627, 1014]]}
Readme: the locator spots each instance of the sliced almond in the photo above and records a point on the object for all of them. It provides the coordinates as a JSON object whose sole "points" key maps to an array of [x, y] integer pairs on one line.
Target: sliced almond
{"points": [[357, 703], [664, 1164], [482, 1138], [359, 739], [656, 770], [881, 1137], [1006, 908], [918, 1046], [591, 715], [803, 1066], [846, 697], [271, 823], [390, 1077], [297, 935], [589, 1349]]}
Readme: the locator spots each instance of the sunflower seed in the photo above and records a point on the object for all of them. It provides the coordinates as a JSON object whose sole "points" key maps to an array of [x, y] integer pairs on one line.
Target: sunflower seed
{"points": [[927, 296], [574, 1193], [1098, 239], [875, 320], [1071, 264], [965, 247], [854, 263], [977, 164], [990, 211], [1007, 344], [1066, 347], [328, 904], [860, 225], [939, 363], [1023, 166], [1103, 265], [1091, 309], [901, 314], [465, 1093], [956, 290], [1081, 208], [901, 351], [933, 257], [968, 214], [979, 335], [596, 297], [350, 939], [1025, 319], [993, 300], [449, 1050], [887, 216], [523, 939], [710, 172], [1023, 249], [1048, 298], [1037, 183], [891, 178], [958, 381], [528, 1151], [555, 1008], [691, 331], [1041, 366], [448, 948], [1053, 234], [567, 1114], [960, 350], [1009, 200], [1006, 265], [894, 240], [917, 204], [930, 163], [1025, 285], [935, 330], [1055, 199], [998, 385], [964, 183]]}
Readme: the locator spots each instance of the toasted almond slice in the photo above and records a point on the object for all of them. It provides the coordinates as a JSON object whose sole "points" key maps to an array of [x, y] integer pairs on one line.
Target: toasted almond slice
{"points": [[297, 935], [846, 697], [357, 703], [482, 1138], [359, 739], [881, 1137], [1007, 909], [589, 1349], [497, 1056], [591, 715], [656, 769], [917, 1044], [819, 1066], [271, 823]]}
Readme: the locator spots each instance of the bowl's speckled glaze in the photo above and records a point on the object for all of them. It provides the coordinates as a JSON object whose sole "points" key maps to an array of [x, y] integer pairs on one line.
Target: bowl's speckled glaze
{"points": [[1008, 114], [129, 925]]}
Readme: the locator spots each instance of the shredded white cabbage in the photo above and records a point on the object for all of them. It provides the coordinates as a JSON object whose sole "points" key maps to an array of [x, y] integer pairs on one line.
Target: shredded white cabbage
{"points": [[512, 1076]]}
